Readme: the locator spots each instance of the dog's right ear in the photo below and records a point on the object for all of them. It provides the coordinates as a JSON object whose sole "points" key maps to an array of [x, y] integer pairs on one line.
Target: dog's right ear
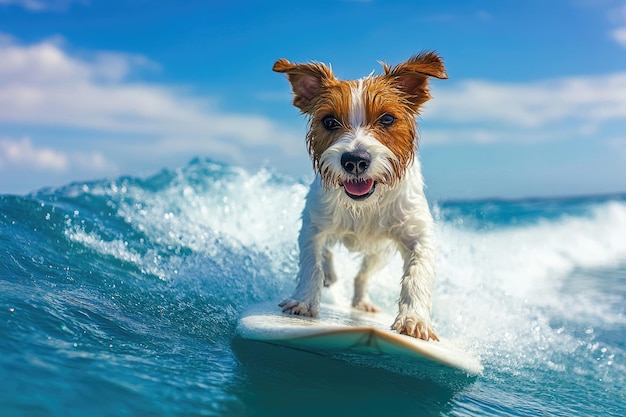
{"points": [[306, 81]]}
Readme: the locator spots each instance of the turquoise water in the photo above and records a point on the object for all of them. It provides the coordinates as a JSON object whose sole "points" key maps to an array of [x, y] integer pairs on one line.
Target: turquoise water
{"points": [[121, 298]]}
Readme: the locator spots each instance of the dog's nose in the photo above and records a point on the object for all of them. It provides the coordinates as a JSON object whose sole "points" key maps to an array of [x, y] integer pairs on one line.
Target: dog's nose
{"points": [[356, 163]]}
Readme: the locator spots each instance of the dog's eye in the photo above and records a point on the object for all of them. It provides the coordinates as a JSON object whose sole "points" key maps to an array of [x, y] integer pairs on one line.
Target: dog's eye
{"points": [[330, 123], [387, 120]]}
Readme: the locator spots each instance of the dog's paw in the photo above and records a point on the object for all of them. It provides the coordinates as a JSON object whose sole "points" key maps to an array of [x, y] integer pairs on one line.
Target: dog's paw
{"points": [[414, 327], [366, 306], [298, 308]]}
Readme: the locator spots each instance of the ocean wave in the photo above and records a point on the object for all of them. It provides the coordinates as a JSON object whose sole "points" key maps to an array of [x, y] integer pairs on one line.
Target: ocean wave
{"points": [[523, 284]]}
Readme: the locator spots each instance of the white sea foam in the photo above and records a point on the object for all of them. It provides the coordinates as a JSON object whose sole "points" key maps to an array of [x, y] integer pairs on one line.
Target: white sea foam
{"points": [[251, 210], [506, 293], [243, 211]]}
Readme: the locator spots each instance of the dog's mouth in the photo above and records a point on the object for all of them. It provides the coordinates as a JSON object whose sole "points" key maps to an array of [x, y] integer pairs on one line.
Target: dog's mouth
{"points": [[359, 188]]}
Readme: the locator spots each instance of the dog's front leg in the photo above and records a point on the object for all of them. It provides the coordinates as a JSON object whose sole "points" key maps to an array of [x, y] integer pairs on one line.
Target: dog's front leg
{"points": [[330, 276], [416, 292], [305, 300], [371, 263]]}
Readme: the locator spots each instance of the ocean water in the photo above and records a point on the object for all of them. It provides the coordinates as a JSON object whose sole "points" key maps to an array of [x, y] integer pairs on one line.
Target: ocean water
{"points": [[121, 298]]}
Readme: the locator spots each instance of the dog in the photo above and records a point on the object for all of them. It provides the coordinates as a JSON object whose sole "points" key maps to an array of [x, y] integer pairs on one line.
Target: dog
{"points": [[368, 190]]}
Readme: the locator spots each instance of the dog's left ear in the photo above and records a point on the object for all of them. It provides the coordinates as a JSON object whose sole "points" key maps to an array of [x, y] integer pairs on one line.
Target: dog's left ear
{"points": [[411, 77], [306, 81]]}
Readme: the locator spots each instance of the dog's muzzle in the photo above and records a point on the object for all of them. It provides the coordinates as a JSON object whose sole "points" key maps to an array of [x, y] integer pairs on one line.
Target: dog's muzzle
{"points": [[356, 164]]}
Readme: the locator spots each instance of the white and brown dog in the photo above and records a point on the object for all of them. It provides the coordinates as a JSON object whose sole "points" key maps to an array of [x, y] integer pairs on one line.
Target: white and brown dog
{"points": [[368, 192]]}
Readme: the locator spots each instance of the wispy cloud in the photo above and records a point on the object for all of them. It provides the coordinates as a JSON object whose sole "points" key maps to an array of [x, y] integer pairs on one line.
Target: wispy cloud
{"points": [[455, 17], [619, 36], [42, 84], [23, 153], [485, 111], [41, 5], [618, 18]]}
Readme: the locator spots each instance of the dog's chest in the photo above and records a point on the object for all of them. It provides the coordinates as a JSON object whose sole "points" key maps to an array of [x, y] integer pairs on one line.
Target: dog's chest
{"points": [[380, 227], [363, 232]]}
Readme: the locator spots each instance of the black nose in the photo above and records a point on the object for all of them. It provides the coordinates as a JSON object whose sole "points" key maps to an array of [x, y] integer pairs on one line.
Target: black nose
{"points": [[356, 163]]}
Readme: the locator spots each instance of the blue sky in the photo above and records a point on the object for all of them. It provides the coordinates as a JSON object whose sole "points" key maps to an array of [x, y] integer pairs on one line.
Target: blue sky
{"points": [[535, 104]]}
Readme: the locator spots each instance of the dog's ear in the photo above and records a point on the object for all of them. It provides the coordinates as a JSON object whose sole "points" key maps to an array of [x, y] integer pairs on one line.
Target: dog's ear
{"points": [[411, 77], [306, 81]]}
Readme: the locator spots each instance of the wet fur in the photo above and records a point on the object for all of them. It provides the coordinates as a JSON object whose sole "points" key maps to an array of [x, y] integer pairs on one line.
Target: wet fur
{"points": [[395, 217]]}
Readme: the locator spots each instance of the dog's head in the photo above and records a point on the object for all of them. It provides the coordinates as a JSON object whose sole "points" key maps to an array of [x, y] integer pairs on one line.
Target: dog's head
{"points": [[362, 132]]}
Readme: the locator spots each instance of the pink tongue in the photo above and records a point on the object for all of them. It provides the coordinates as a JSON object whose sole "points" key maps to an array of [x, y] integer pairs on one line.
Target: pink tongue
{"points": [[359, 187]]}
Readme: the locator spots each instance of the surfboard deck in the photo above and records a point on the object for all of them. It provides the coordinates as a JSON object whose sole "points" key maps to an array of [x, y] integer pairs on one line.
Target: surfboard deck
{"points": [[358, 337]]}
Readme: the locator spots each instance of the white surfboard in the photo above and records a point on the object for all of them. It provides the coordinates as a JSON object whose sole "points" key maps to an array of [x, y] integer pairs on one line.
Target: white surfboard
{"points": [[359, 337]]}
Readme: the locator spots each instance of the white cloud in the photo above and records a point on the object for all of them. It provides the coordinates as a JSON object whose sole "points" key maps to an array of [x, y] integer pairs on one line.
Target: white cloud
{"points": [[619, 35], [41, 5], [456, 17], [41, 84], [24, 154], [483, 111], [617, 17], [535, 104], [34, 5]]}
